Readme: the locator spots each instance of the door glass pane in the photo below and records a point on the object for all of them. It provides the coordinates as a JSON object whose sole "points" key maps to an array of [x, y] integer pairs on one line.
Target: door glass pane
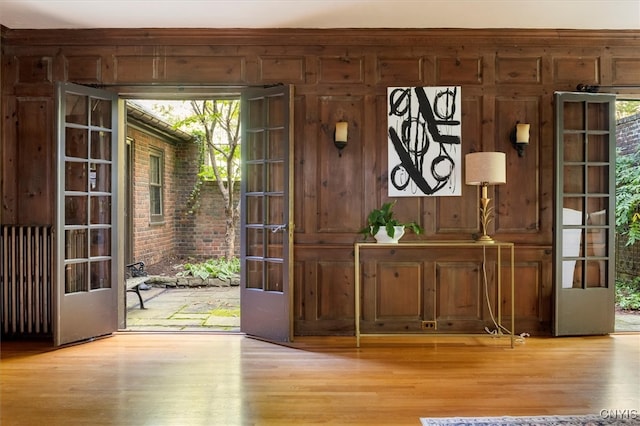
{"points": [[76, 244], [100, 274], [76, 143], [597, 210], [274, 249], [570, 274], [75, 210], [573, 180], [598, 148], [100, 210], [75, 176], [276, 177], [596, 273], [254, 273], [274, 277], [75, 278], [276, 111], [598, 179], [597, 242], [574, 147], [573, 115], [255, 145], [254, 210], [100, 177], [276, 210], [598, 116], [100, 242], [101, 113], [255, 242], [76, 109], [256, 113], [255, 177], [276, 146], [101, 145]]}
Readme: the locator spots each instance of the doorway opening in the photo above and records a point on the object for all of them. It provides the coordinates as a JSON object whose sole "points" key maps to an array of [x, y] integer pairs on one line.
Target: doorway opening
{"points": [[182, 216], [627, 216]]}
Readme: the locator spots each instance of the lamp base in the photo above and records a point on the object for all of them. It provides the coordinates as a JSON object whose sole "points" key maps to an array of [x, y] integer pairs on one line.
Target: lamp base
{"points": [[485, 239]]}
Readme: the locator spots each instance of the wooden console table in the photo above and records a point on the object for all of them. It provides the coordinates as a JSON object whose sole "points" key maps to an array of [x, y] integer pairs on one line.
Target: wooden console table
{"points": [[497, 245]]}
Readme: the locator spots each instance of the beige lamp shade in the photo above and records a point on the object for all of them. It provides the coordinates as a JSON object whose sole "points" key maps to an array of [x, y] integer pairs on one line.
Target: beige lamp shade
{"points": [[485, 168]]}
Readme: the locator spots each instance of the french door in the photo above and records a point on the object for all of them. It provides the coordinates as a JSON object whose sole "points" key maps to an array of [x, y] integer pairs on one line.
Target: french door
{"points": [[267, 213], [87, 268], [585, 214]]}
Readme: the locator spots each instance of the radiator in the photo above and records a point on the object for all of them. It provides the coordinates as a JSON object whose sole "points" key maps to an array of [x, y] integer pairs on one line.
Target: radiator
{"points": [[26, 278]]}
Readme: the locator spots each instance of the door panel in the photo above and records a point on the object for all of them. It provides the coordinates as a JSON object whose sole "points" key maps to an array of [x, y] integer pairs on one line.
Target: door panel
{"points": [[87, 265], [267, 214], [584, 217]]}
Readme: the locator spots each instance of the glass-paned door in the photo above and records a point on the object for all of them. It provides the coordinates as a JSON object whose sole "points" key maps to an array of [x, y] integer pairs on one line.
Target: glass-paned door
{"points": [[585, 214], [86, 296], [266, 214]]}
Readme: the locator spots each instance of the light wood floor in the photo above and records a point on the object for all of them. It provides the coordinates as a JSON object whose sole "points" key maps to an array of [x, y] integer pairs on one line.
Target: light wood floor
{"points": [[208, 379]]}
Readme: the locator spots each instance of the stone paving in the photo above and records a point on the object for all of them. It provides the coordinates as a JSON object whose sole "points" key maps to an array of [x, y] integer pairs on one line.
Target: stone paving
{"points": [[185, 309]]}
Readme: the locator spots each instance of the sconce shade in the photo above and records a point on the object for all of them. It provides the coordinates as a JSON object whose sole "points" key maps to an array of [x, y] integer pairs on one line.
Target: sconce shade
{"points": [[341, 131], [485, 168], [522, 133]]}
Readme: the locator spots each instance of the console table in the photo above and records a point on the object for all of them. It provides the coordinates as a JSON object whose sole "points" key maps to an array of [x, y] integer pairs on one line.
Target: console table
{"points": [[499, 246]]}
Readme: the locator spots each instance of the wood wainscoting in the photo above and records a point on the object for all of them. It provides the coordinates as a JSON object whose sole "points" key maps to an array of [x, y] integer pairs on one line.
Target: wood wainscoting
{"points": [[206, 379]]}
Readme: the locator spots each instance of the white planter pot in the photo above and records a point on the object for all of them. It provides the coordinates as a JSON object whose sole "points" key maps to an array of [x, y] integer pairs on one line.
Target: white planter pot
{"points": [[382, 237]]}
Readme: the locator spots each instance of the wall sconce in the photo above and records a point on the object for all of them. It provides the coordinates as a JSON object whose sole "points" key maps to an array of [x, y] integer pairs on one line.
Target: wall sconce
{"points": [[484, 169], [520, 137], [340, 136]]}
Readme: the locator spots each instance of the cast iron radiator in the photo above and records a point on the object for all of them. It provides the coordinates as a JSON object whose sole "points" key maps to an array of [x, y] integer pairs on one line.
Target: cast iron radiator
{"points": [[26, 277]]}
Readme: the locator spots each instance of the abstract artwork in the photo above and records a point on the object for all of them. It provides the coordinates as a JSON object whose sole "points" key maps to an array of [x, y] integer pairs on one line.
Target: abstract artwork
{"points": [[424, 134]]}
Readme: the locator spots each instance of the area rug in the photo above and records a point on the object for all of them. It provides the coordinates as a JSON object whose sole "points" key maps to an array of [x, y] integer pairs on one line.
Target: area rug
{"points": [[589, 420]]}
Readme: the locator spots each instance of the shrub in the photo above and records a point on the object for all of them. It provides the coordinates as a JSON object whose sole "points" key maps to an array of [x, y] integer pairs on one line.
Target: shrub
{"points": [[220, 268], [628, 294]]}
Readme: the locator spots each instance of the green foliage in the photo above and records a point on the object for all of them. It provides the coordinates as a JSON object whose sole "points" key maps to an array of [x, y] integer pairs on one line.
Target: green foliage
{"points": [[220, 268], [628, 197], [383, 218], [626, 108], [628, 294]]}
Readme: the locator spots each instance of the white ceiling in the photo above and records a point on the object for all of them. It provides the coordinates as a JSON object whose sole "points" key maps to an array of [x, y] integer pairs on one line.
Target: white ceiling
{"points": [[552, 14]]}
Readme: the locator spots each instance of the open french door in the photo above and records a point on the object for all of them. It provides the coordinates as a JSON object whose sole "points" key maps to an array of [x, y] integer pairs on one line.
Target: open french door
{"points": [[585, 214], [267, 213], [87, 265]]}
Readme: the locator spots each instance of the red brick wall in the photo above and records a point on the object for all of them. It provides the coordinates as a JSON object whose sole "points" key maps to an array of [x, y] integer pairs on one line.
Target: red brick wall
{"points": [[193, 226]]}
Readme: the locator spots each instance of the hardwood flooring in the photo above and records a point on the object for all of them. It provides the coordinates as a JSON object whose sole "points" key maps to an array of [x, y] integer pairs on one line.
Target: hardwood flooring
{"points": [[226, 379]]}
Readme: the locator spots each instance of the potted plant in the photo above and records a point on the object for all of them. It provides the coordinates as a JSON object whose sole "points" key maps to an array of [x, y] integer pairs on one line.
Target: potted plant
{"points": [[384, 227]]}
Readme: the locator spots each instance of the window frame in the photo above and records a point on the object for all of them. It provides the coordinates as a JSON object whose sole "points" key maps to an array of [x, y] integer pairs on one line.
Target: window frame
{"points": [[157, 186]]}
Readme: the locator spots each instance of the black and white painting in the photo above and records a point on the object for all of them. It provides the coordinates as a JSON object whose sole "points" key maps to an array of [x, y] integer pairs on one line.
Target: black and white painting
{"points": [[424, 131]]}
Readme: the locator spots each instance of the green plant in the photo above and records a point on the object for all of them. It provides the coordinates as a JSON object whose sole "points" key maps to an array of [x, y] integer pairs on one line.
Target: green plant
{"points": [[628, 294], [628, 197], [220, 268], [383, 218]]}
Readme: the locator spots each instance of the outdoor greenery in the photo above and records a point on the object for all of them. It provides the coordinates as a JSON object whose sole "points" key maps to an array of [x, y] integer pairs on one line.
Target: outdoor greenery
{"points": [[628, 294], [215, 125], [220, 268], [628, 197]]}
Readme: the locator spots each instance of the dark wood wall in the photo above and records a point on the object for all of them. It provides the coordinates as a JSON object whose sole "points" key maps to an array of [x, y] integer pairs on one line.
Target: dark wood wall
{"points": [[343, 75]]}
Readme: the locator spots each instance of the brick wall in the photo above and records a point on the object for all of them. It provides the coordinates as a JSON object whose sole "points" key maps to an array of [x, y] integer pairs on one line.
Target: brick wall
{"points": [[628, 141], [188, 230]]}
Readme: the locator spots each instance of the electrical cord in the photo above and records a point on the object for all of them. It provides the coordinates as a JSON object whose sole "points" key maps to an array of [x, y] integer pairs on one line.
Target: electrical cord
{"points": [[499, 329]]}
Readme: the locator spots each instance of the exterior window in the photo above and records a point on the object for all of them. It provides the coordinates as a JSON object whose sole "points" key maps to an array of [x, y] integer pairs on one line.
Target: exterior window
{"points": [[156, 172]]}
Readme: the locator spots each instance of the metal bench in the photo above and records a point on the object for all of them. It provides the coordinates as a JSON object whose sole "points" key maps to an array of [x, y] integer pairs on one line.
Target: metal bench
{"points": [[138, 276]]}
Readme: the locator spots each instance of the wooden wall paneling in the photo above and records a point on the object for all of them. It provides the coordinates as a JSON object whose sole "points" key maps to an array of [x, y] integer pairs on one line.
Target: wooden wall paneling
{"points": [[35, 154], [518, 69], [338, 180], [399, 291], [399, 71], [341, 69], [517, 205], [458, 70], [569, 69], [335, 290], [301, 147], [138, 68], [460, 295], [203, 69], [82, 69], [459, 215], [9, 169], [278, 69], [625, 71], [35, 69]]}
